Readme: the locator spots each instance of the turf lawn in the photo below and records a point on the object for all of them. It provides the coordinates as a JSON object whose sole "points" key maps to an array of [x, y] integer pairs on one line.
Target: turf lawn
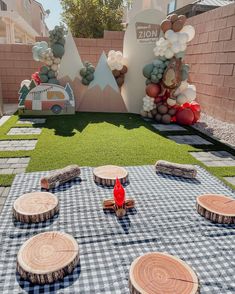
{"points": [[93, 139]]}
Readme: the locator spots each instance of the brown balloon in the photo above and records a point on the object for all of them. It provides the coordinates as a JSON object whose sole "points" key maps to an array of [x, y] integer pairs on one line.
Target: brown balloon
{"points": [[172, 111], [183, 18], [166, 119], [158, 117], [166, 25], [154, 112], [177, 26], [162, 109], [173, 17], [124, 70], [116, 73], [120, 81]]}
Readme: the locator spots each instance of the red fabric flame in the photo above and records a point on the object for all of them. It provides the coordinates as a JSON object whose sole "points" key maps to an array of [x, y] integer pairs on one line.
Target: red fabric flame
{"points": [[119, 194]]}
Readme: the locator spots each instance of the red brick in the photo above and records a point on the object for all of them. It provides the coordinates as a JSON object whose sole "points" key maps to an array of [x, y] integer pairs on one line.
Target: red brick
{"points": [[229, 46], [214, 36], [217, 80], [231, 21], [219, 113], [222, 92], [213, 69], [210, 26], [218, 46], [226, 69], [221, 23], [231, 57], [230, 117], [88, 42], [228, 10], [228, 104], [225, 34], [221, 58], [231, 94], [203, 38], [229, 81], [84, 50]]}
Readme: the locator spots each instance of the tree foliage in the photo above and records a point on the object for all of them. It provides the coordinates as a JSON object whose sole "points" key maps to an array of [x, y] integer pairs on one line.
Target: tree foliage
{"points": [[89, 18]]}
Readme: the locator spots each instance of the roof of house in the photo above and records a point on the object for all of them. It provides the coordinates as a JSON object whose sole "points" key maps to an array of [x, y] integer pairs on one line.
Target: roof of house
{"points": [[41, 6]]}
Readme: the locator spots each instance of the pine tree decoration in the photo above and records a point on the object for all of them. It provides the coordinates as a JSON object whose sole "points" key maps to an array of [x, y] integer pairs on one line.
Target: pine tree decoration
{"points": [[32, 85], [69, 90], [23, 94]]}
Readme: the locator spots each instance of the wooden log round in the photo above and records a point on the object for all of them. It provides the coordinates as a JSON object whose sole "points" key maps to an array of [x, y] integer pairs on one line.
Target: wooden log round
{"points": [[161, 273], [106, 175], [35, 207], [217, 208], [47, 257]]}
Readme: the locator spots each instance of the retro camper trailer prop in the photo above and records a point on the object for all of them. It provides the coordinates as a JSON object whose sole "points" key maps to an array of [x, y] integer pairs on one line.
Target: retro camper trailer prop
{"points": [[46, 99]]}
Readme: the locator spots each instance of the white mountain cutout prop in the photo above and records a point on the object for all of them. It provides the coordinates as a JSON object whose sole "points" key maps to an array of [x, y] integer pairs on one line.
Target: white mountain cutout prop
{"points": [[104, 76], [71, 62]]}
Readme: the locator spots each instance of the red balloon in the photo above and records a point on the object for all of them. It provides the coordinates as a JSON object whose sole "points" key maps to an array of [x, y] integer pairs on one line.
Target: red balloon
{"points": [[185, 116], [119, 194], [153, 90]]}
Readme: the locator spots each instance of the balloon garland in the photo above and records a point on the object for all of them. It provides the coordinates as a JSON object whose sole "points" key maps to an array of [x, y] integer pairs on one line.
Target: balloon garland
{"points": [[117, 64], [50, 56], [170, 98], [87, 73]]}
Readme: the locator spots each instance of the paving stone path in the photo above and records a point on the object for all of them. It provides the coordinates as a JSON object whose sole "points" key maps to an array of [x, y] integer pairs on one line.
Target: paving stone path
{"points": [[15, 165], [190, 140], [168, 128], [4, 191], [231, 180], [17, 145], [33, 121], [215, 158], [24, 131]]}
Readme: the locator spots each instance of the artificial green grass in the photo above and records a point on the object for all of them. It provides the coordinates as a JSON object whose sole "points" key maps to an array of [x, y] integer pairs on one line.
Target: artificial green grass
{"points": [[93, 139]]}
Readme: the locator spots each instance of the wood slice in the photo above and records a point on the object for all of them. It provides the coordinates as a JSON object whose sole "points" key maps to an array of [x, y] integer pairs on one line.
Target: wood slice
{"points": [[158, 273], [47, 257], [35, 207], [217, 208], [106, 175]]}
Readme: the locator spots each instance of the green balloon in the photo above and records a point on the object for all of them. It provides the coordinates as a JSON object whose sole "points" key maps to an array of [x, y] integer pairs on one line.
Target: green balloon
{"points": [[90, 77], [159, 76], [157, 62], [51, 74], [85, 82], [58, 50], [147, 70], [44, 70], [61, 41], [53, 81], [148, 82], [184, 75], [161, 70], [186, 67], [43, 78], [83, 72], [91, 69], [180, 55]]}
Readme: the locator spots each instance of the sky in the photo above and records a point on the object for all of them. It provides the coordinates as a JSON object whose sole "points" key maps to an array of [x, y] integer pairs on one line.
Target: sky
{"points": [[55, 8]]}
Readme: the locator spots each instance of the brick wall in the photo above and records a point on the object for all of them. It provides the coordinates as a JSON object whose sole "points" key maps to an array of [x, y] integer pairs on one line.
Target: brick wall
{"points": [[211, 56], [16, 63]]}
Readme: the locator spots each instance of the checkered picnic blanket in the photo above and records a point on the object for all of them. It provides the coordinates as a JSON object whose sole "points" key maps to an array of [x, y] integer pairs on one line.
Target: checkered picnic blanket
{"points": [[165, 220]]}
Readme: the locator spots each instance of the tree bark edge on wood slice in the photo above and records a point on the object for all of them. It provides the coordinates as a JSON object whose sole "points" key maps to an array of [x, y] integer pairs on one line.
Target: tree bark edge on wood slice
{"points": [[47, 257], [106, 175], [216, 208], [35, 207], [149, 273]]}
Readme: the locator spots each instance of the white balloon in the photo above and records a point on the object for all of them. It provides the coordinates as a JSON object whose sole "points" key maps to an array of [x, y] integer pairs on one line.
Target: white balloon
{"points": [[119, 67], [168, 33], [190, 94], [111, 53], [190, 31], [176, 47], [173, 37], [25, 83], [169, 54], [54, 67], [119, 58], [183, 38], [181, 99], [183, 47], [171, 102]]}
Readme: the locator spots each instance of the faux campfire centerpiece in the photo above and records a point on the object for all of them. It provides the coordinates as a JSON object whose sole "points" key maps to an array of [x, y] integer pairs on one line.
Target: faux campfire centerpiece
{"points": [[119, 204]]}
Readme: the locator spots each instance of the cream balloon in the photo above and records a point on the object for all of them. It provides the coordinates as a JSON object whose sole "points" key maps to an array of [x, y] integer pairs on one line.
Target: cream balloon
{"points": [[190, 94], [181, 99], [190, 31], [171, 102]]}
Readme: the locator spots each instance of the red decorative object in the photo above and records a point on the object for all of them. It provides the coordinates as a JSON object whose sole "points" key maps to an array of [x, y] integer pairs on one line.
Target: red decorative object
{"points": [[153, 90], [119, 194], [36, 78], [188, 113]]}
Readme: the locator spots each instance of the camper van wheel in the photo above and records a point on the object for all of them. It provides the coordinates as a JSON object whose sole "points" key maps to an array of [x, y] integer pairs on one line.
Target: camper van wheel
{"points": [[56, 109]]}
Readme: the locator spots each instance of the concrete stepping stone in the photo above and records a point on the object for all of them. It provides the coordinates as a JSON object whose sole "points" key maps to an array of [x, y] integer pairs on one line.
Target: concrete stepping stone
{"points": [[231, 180], [24, 131], [32, 121], [14, 165], [168, 128], [17, 145], [4, 191], [215, 158], [190, 140]]}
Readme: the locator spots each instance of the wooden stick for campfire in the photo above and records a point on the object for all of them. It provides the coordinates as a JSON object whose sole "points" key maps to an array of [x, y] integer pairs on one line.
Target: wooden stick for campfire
{"points": [[217, 208], [60, 177], [47, 257], [176, 169], [120, 211], [161, 273]]}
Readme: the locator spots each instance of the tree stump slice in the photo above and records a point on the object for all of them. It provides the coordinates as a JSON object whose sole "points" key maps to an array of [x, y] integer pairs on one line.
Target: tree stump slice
{"points": [[35, 207], [106, 175], [155, 273], [47, 257], [217, 208]]}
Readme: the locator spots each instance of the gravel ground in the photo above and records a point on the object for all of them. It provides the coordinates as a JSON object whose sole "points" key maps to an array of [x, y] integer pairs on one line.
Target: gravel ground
{"points": [[223, 131]]}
